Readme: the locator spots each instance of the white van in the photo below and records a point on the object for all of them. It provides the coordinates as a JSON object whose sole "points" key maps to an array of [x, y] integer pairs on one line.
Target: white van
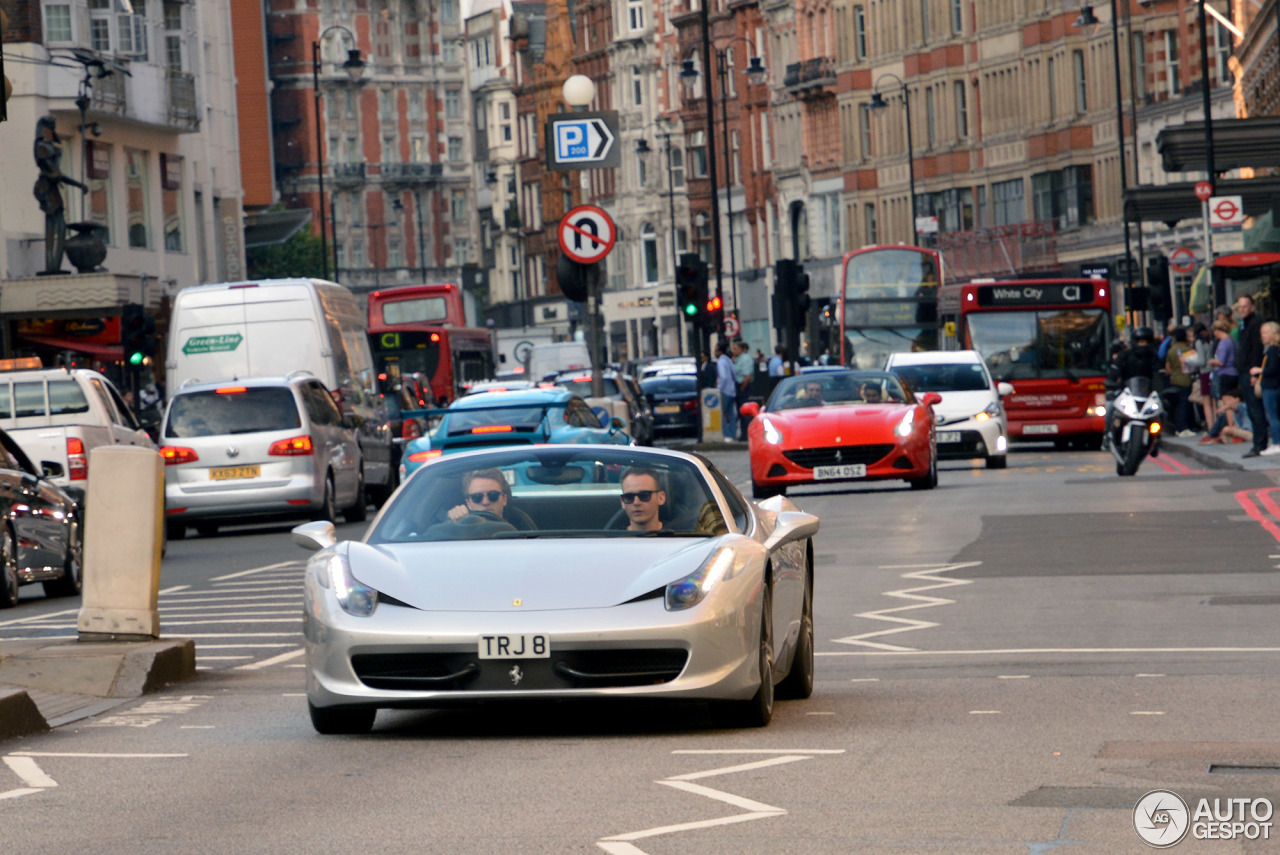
{"points": [[237, 330], [546, 360]]}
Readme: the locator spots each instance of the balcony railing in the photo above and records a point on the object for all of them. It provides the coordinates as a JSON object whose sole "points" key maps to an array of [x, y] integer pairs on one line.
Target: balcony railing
{"points": [[183, 111], [811, 77], [348, 173], [411, 173], [999, 250], [110, 94]]}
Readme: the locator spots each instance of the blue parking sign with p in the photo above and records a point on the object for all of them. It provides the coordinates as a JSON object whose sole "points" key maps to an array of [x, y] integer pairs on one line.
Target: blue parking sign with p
{"points": [[571, 141]]}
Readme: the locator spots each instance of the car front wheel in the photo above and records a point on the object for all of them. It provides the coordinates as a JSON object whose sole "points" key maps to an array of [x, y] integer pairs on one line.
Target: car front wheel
{"points": [[758, 711]]}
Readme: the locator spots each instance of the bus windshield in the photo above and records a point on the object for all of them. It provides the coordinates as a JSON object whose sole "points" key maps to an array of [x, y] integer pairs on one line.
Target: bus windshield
{"points": [[406, 352], [1058, 343]]}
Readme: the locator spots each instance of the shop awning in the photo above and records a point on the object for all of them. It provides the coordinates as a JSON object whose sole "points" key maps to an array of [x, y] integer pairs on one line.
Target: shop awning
{"points": [[106, 352], [269, 228]]}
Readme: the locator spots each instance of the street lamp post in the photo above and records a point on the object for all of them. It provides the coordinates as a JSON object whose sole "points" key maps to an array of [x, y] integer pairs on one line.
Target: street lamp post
{"points": [[1087, 20], [355, 68], [642, 148], [878, 103]]}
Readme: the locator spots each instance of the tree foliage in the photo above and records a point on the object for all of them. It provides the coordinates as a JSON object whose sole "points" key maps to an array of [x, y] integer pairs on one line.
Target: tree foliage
{"points": [[299, 256]]}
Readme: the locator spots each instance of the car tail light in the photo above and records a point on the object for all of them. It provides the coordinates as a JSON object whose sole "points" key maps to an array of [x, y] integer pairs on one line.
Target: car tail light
{"points": [[410, 429], [424, 456], [291, 447], [176, 454], [232, 390], [690, 405], [77, 461], [493, 429]]}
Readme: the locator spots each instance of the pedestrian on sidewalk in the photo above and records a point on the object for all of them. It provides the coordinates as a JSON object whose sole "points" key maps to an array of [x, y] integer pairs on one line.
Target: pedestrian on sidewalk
{"points": [[1178, 392], [1232, 424], [1269, 376], [1248, 357], [727, 386]]}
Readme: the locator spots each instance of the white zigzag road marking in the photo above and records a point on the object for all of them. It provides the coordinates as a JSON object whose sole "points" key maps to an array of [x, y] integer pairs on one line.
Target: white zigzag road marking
{"points": [[34, 779], [620, 844], [923, 602]]}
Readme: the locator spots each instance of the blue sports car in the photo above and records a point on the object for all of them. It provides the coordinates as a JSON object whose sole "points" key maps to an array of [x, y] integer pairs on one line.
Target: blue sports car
{"points": [[525, 417]]}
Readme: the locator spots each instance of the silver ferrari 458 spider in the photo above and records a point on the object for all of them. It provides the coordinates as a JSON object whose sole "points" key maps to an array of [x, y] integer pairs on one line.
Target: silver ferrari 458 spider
{"points": [[558, 572]]}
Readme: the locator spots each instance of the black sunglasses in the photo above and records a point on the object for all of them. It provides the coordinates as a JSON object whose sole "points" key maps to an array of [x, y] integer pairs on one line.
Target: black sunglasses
{"points": [[477, 498], [642, 495]]}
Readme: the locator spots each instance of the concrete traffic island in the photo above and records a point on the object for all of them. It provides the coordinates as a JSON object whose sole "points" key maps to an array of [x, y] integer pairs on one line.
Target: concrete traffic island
{"points": [[119, 654]]}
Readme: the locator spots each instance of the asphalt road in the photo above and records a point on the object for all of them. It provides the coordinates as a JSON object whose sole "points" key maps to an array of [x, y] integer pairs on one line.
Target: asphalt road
{"points": [[1006, 664]]}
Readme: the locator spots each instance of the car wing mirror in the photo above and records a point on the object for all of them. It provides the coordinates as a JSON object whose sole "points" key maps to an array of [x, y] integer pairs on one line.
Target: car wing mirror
{"points": [[315, 535], [791, 525], [617, 423], [751, 409], [931, 398], [1004, 388]]}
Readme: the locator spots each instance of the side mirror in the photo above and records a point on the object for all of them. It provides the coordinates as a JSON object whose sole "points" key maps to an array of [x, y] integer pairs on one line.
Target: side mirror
{"points": [[1003, 388], [314, 535], [931, 398], [617, 423], [750, 409]]}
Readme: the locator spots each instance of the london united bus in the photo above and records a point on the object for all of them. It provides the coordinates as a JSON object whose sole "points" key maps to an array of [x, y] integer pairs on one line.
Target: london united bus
{"points": [[1050, 339]]}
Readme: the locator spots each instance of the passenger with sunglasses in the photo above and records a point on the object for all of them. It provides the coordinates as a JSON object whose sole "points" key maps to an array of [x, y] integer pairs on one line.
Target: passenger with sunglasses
{"points": [[642, 498], [486, 493]]}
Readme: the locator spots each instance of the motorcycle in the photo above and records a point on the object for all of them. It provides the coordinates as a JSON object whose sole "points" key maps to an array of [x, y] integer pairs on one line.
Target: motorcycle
{"points": [[1137, 416]]}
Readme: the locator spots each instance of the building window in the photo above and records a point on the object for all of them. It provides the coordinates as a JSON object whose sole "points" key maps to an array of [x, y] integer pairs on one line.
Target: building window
{"points": [[924, 21], [1172, 62], [455, 149], [957, 16], [1139, 55], [452, 104], [1082, 90], [962, 110], [859, 33], [872, 228], [1009, 206], [458, 206], [1064, 198], [135, 185], [637, 86], [864, 130], [173, 41], [698, 153], [99, 181], [386, 106], [171, 202], [635, 14], [677, 167], [480, 53], [1053, 89], [448, 11], [1224, 45], [57, 23], [930, 118], [100, 25], [650, 240]]}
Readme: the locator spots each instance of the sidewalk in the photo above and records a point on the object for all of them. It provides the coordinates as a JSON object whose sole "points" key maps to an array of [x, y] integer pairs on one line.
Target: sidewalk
{"points": [[1218, 455], [45, 684]]}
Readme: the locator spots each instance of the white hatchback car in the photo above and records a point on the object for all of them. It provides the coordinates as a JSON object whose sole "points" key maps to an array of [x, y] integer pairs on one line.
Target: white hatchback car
{"points": [[971, 421]]}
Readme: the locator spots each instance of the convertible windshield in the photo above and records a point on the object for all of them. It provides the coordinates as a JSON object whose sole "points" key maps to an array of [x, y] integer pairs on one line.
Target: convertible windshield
{"points": [[550, 492], [828, 388]]}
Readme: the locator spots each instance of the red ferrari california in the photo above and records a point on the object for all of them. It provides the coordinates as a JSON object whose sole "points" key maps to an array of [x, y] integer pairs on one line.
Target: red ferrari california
{"points": [[841, 425]]}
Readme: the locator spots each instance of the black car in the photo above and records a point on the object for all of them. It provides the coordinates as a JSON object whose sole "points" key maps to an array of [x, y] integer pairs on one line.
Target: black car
{"points": [[40, 539], [674, 398]]}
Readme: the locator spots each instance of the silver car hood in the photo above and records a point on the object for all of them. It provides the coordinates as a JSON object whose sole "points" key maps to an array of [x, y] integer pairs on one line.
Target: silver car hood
{"points": [[527, 575]]}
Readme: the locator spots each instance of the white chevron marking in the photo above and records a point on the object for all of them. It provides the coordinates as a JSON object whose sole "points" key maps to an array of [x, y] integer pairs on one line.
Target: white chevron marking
{"points": [[921, 601]]}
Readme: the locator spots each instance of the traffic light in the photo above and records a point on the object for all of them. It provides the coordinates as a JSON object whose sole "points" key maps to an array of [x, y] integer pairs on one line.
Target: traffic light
{"points": [[691, 287], [785, 276], [1158, 283], [801, 292], [133, 333], [713, 318]]}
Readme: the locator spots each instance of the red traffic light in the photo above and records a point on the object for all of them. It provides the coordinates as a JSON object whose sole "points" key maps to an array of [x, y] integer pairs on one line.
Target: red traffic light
{"points": [[714, 304]]}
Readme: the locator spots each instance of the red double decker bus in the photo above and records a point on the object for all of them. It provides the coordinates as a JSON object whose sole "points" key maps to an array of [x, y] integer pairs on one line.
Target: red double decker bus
{"points": [[888, 303], [1050, 339], [419, 330]]}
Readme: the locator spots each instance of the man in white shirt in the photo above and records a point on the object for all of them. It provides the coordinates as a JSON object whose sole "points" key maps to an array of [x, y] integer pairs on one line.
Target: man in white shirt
{"points": [[727, 386]]}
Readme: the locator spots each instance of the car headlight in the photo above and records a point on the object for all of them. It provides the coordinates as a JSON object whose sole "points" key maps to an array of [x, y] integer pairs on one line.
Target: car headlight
{"points": [[904, 426], [692, 589], [990, 412], [772, 435], [332, 570]]}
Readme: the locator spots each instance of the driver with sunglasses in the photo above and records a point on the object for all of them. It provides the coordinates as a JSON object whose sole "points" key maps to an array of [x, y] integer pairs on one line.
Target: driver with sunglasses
{"points": [[487, 492], [642, 498]]}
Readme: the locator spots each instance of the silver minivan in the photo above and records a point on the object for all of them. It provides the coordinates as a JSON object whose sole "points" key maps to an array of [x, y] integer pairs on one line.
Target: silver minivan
{"points": [[240, 451]]}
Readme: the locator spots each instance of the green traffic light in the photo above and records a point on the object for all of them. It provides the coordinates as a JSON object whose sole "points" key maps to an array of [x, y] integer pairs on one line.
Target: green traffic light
{"points": [[691, 310], [135, 358]]}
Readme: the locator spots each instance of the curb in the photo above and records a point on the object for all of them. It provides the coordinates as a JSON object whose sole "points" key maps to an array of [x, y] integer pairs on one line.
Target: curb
{"points": [[84, 674], [1210, 460]]}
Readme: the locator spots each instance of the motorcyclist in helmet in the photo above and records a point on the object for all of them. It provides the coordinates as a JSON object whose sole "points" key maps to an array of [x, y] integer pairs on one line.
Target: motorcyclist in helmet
{"points": [[1141, 361]]}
